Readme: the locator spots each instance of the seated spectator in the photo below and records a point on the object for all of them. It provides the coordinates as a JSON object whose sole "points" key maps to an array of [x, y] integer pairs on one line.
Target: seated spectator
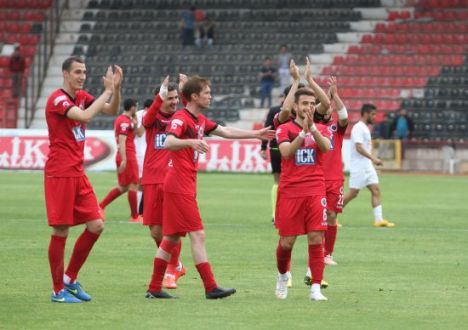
{"points": [[205, 34], [187, 26]]}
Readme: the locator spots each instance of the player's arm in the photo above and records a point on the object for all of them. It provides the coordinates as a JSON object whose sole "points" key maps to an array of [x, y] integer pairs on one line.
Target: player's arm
{"points": [[149, 118], [341, 110], [112, 108], [237, 133], [322, 142], [360, 148], [97, 106], [319, 92], [288, 149], [286, 109], [122, 151], [174, 143]]}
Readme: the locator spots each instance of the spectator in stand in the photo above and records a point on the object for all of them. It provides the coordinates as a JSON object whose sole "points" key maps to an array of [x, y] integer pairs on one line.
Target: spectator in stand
{"points": [[402, 126], [187, 25], [206, 34], [267, 78], [199, 27], [384, 128], [284, 58], [17, 65]]}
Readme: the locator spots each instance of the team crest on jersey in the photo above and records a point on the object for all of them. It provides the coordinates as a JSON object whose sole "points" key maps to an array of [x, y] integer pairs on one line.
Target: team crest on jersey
{"points": [[159, 140], [332, 128], [176, 122], [59, 99], [78, 133], [124, 126], [323, 201], [305, 156]]}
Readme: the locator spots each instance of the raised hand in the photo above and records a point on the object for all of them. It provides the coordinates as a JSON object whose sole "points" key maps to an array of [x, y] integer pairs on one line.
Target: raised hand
{"points": [[163, 89], [182, 80], [108, 79], [118, 77], [332, 90], [294, 71], [308, 69]]}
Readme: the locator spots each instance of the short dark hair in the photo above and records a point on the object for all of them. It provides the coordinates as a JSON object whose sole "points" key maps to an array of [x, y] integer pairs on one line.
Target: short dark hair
{"points": [[287, 89], [147, 103], [303, 91], [367, 108], [128, 103], [170, 87], [67, 64], [194, 85]]}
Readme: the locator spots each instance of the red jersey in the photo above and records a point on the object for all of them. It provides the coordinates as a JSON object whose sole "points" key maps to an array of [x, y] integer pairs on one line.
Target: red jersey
{"points": [[66, 136], [333, 160], [156, 156], [123, 125], [182, 174], [301, 175]]}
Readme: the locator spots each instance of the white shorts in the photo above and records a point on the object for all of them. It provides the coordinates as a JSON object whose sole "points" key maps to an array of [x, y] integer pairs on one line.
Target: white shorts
{"points": [[361, 179], [140, 160]]}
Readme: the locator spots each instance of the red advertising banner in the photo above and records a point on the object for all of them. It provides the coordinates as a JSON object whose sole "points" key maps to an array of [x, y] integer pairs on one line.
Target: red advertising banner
{"points": [[28, 149]]}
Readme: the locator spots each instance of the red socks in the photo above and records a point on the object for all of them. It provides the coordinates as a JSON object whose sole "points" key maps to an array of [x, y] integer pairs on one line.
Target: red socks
{"points": [[316, 263], [330, 238], [160, 265], [174, 262], [209, 282], [132, 201], [83, 246], [113, 194], [283, 259], [56, 253]]}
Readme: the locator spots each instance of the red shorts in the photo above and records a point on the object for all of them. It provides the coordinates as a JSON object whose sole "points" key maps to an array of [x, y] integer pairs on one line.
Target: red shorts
{"points": [[334, 196], [70, 201], [180, 214], [153, 196], [299, 216], [129, 175]]}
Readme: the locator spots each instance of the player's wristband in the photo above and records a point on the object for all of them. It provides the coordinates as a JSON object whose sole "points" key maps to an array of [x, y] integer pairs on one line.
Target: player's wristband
{"points": [[163, 92], [302, 134], [342, 113], [313, 128]]}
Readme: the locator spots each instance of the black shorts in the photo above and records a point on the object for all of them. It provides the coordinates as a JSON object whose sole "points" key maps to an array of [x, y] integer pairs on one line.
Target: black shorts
{"points": [[275, 159]]}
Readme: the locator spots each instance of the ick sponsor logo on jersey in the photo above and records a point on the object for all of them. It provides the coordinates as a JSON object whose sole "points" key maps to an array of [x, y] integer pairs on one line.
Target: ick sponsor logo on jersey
{"points": [[79, 133], [305, 156], [159, 140]]}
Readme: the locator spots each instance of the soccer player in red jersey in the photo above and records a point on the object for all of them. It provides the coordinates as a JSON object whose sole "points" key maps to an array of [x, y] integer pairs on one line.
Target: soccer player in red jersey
{"points": [[155, 168], [69, 196], [127, 166], [180, 210], [333, 163], [301, 205]]}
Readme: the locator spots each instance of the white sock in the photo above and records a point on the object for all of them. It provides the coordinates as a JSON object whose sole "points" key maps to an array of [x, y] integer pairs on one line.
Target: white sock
{"points": [[378, 213], [283, 277], [315, 287], [66, 279], [179, 266]]}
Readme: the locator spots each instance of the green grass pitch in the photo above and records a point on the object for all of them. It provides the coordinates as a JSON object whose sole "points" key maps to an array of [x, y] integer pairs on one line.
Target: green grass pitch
{"points": [[411, 277]]}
